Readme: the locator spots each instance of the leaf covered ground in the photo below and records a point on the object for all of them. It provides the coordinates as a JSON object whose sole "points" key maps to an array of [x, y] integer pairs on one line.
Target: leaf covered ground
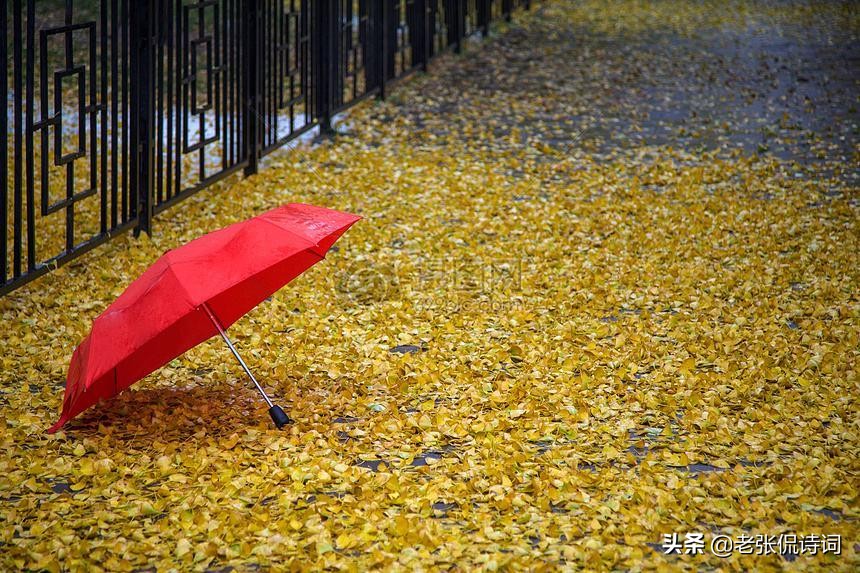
{"points": [[606, 288]]}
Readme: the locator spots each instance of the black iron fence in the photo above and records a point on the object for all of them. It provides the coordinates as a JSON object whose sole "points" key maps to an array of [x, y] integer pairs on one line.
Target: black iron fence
{"points": [[117, 109]]}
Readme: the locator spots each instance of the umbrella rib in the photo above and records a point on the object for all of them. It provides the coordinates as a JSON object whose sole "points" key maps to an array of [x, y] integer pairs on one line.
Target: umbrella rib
{"points": [[223, 334]]}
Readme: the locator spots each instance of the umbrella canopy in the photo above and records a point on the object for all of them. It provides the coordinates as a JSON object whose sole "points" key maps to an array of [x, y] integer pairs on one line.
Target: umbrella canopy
{"points": [[181, 299]]}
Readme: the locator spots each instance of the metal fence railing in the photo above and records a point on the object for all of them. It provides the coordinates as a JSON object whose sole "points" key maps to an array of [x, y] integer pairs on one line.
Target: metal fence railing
{"points": [[117, 109]]}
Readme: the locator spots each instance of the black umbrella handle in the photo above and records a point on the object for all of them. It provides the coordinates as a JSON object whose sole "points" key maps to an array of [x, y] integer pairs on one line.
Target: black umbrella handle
{"points": [[279, 417]]}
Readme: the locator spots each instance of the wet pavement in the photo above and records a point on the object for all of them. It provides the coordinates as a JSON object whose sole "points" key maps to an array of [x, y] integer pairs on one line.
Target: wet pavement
{"points": [[781, 83]]}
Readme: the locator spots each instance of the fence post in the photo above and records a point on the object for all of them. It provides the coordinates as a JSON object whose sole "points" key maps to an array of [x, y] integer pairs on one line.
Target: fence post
{"points": [[391, 24], [459, 24], [432, 8], [141, 136], [325, 62], [251, 76], [4, 146], [428, 35], [484, 8], [382, 44], [420, 34]]}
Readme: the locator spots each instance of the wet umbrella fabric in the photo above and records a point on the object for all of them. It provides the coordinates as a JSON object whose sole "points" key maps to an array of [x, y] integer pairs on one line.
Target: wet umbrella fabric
{"points": [[193, 293]]}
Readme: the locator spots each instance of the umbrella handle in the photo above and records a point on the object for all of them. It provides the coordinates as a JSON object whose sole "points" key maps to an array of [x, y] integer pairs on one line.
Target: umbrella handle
{"points": [[279, 417]]}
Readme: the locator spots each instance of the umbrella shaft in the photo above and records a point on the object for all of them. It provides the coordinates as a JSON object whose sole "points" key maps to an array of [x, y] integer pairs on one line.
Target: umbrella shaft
{"points": [[235, 352]]}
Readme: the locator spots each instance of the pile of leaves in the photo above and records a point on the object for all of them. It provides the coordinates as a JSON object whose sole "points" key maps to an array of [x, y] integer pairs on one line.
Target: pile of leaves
{"points": [[563, 329]]}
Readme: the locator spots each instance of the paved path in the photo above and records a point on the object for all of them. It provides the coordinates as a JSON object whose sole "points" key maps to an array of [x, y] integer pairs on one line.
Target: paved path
{"points": [[774, 78]]}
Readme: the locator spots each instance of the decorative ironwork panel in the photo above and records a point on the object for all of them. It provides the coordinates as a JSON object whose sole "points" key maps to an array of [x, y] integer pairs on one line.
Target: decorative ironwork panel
{"points": [[442, 33], [495, 9], [472, 17], [285, 45], [405, 32], [63, 179], [354, 76], [199, 98]]}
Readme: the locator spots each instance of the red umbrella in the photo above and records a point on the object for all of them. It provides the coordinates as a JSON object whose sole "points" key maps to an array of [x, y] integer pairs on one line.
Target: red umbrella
{"points": [[193, 293]]}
